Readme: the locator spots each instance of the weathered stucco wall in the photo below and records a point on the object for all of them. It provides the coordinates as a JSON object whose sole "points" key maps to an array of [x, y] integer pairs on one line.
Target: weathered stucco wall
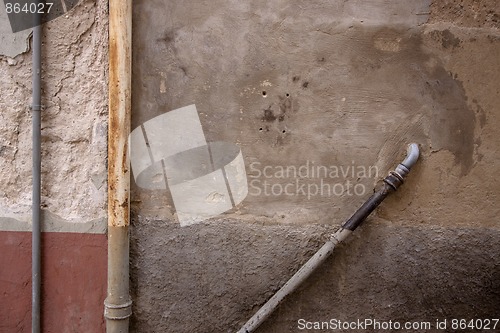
{"points": [[335, 84], [74, 119]]}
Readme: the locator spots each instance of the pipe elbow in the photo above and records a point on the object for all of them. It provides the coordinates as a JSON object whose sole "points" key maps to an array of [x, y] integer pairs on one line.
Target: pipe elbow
{"points": [[412, 155], [404, 167]]}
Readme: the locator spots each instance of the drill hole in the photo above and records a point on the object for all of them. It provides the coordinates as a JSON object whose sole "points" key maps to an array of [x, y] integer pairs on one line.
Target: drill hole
{"points": [[264, 93]]}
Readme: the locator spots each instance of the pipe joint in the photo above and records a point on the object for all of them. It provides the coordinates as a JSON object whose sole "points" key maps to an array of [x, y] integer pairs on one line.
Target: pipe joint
{"points": [[394, 180], [397, 177], [402, 171], [37, 107], [117, 311], [340, 235]]}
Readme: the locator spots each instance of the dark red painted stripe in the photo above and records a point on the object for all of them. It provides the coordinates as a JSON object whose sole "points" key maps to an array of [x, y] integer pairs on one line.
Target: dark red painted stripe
{"points": [[74, 267]]}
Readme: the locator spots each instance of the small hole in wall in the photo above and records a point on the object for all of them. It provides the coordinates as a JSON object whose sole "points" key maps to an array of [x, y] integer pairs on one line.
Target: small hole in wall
{"points": [[264, 93], [287, 95], [284, 131], [260, 129]]}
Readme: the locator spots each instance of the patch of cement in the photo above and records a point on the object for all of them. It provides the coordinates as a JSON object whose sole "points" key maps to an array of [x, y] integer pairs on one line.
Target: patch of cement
{"points": [[11, 44], [53, 223]]}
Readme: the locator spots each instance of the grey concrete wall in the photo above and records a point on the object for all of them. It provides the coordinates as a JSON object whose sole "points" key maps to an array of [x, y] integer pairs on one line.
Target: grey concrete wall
{"points": [[333, 84], [74, 122]]}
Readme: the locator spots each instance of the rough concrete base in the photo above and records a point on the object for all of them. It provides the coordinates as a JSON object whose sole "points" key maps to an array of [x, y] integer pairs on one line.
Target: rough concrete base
{"points": [[213, 277]]}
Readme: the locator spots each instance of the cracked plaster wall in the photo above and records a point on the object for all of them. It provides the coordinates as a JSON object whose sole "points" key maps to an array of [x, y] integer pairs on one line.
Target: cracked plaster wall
{"points": [[74, 118]]}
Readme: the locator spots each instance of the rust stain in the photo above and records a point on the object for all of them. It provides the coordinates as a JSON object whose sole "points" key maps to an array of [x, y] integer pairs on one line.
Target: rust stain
{"points": [[119, 112], [124, 204]]}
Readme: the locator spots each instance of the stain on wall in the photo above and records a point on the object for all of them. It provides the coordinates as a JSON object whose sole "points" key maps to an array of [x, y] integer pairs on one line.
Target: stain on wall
{"points": [[313, 85]]}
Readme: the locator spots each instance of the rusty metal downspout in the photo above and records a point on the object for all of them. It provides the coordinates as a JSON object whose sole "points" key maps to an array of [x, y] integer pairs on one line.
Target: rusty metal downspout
{"points": [[118, 304]]}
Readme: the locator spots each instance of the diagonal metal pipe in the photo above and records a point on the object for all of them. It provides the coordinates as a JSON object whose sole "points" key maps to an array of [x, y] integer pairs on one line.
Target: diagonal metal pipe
{"points": [[391, 184]]}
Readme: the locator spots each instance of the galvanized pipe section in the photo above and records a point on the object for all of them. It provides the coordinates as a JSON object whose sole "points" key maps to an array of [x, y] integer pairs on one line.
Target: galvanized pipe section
{"points": [[118, 304], [368, 207], [391, 183], [36, 261]]}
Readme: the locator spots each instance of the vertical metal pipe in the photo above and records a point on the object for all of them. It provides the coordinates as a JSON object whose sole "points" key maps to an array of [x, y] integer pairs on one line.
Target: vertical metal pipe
{"points": [[118, 304], [36, 174]]}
